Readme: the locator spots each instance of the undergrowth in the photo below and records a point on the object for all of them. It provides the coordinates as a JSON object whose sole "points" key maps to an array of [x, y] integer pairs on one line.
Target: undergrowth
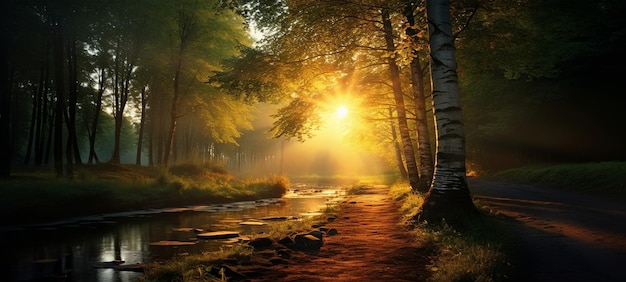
{"points": [[36, 197], [474, 254]]}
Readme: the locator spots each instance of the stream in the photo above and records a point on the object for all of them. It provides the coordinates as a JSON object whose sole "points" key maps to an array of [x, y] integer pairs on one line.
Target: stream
{"points": [[87, 248]]}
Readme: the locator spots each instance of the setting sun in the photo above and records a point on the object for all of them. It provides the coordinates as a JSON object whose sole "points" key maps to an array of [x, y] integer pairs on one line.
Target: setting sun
{"points": [[342, 112]]}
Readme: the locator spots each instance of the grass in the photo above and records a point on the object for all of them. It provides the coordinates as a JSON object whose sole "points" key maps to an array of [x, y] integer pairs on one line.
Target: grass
{"points": [[196, 267], [474, 254], [36, 196], [603, 178]]}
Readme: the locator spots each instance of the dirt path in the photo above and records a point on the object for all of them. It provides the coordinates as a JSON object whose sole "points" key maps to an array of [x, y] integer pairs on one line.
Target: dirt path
{"points": [[369, 246], [565, 236]]}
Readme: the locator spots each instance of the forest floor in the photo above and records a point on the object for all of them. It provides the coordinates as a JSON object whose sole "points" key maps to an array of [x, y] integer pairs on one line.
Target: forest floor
{"points": [[371, 245]]}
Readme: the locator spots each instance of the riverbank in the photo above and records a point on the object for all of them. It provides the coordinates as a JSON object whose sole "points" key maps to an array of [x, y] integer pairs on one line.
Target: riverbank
{"points": [[363, 241], [38, 196]]}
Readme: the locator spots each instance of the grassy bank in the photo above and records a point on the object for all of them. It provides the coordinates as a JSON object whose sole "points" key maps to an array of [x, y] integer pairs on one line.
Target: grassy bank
{"points": [[36, 196], [475, 254], [602, 178]]}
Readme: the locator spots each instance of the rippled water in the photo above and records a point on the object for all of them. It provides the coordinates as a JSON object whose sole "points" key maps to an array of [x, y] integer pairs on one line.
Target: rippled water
{"points": [[84, 248]]}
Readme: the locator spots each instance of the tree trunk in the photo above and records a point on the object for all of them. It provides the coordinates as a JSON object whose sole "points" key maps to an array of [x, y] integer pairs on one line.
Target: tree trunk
{"points": [[31, 129], [73, 98], [142, 122], [94, 125], [50, 135], [121, 98], [426, 165], [169, 146], [403, 126], [151, 129], [449, 198], [43, 114], [396, 147], [424, 151], [174, 109], [72, 143], [6, 151], [59, 106]]}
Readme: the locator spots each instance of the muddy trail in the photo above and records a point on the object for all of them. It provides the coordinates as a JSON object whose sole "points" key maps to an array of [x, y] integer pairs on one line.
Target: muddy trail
{"points": [[370, 246]]}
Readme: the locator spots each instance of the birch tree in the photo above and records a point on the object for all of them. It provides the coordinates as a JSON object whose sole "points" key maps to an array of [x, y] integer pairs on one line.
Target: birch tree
{"points": [[449, 198]]}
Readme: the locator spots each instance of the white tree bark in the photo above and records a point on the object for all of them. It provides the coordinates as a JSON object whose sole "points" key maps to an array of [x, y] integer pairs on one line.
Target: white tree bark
{"points": [[449, 197]]}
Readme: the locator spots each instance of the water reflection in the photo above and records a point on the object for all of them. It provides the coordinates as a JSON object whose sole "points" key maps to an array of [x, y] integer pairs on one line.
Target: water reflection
{"points": [[87, 248]]}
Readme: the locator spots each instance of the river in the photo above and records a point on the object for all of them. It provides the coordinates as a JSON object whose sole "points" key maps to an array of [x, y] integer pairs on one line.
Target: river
{"points": [[84, 249]]}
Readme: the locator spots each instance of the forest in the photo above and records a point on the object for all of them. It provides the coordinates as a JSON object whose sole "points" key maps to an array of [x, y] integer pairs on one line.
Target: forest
{"points": [[155, 83]]}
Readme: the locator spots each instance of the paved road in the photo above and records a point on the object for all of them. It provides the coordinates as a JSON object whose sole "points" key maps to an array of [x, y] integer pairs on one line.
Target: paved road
{"points": [[565, 236]]}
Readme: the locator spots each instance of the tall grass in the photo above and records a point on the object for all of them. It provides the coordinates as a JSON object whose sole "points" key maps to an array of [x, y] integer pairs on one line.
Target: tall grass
{"points": [[196, 267], [37, 197], [473, 254]]}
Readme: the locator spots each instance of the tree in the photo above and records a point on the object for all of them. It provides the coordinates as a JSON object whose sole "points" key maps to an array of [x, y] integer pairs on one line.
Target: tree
{"points": [[201, 34], [530, 70], [6, 37], [403, 126], [426, 164], [57, 23], [449, 198]]}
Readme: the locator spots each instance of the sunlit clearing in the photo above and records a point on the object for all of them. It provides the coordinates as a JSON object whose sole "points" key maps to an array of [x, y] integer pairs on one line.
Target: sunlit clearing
{"points": [[334, 150], [342, 112]]}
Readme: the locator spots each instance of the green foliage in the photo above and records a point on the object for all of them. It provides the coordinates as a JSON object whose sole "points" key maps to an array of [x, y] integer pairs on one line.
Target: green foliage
{"points": [[111, 188], [249, 76], [299, 119]]}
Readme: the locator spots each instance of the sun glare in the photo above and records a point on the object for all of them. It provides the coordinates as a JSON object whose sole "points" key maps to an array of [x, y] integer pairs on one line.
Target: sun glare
{"points": [[342, 112]]}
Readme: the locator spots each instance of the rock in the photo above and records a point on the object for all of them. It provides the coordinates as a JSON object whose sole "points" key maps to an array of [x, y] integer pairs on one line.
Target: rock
{"points": [[261, 243], [252, 223], [218, 235], [229, 271], [332, 232], [277, 218], [172, 243], [317, 234], [183, 234], [286, 241], [108, 264], [307, 241]]}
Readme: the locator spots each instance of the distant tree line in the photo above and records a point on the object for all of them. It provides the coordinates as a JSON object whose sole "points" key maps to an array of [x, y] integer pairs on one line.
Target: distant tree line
{"points": [[86, 81], [82, 81]]}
